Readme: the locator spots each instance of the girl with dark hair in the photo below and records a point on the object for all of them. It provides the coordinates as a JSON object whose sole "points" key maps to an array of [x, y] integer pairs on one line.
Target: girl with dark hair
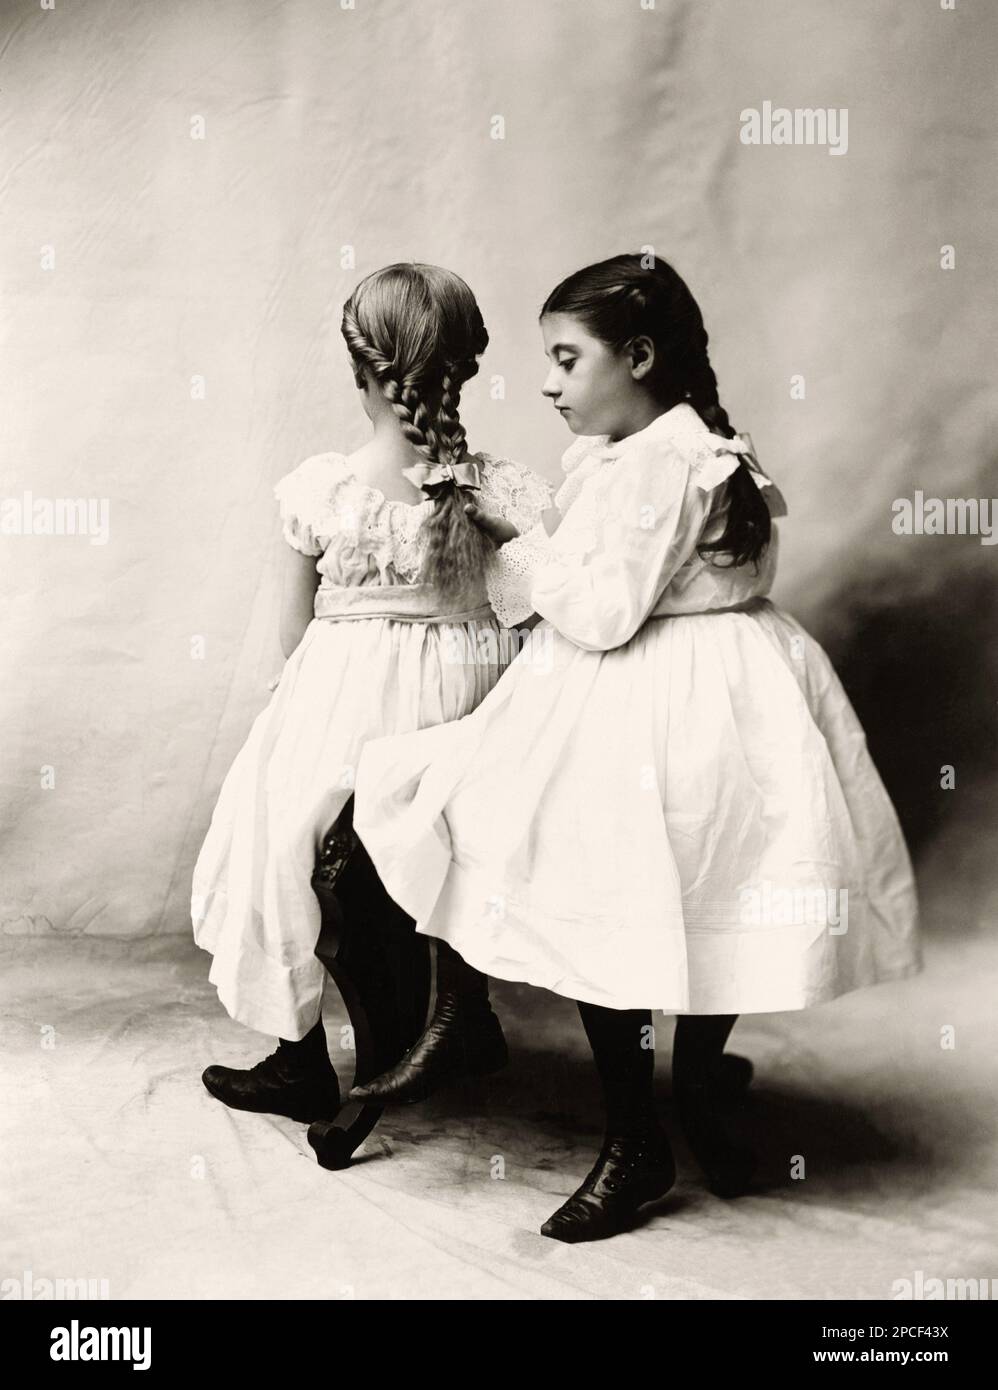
{"points": [[678, 812], [387, 628]]}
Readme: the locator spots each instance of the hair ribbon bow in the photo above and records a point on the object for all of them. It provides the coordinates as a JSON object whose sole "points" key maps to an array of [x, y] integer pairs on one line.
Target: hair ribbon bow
{"points": [[742, 444], [429, 476]]}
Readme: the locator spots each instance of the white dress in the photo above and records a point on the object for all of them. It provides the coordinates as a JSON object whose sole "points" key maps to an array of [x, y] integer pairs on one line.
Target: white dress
{"points": [[667, 802], [356, 673]]}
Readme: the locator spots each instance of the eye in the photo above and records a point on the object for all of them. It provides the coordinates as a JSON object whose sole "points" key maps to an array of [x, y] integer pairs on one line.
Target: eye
{"points": [[567, 363]]}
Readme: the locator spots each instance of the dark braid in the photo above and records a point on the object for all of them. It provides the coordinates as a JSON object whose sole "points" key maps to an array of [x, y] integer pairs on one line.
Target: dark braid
{"points": [[749, 527], [701, 383], [429, 321], [624, 298]]}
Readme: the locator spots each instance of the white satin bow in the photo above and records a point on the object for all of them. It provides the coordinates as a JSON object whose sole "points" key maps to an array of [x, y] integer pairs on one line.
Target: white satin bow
{"points": [[431, 475], [742, 444]]}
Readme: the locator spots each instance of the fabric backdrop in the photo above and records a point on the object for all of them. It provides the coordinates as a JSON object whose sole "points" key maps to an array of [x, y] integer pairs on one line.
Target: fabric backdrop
{"points": [[190, 191]]}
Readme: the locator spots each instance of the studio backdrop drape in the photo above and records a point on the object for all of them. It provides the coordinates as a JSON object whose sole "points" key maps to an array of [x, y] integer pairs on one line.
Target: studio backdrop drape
{"points": [[189, 193]]}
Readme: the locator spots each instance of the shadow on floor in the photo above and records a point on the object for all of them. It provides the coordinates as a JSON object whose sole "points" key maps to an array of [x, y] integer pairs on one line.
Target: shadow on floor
{"points": [[548, 1105]]}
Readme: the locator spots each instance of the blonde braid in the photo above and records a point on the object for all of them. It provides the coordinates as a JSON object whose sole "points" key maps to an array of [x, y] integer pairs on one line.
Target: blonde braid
{"points": [[448, 420], [455, 546], [413, 417], [428, 319], [361, 349], [403, 397]]}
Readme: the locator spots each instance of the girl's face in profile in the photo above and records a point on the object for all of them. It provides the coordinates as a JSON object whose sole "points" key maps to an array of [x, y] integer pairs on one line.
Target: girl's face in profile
{"points": [[589, 384]]}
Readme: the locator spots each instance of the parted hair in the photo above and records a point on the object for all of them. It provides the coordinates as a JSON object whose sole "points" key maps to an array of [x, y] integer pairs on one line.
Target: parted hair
{"points": [[419, 331], [631, 296]]}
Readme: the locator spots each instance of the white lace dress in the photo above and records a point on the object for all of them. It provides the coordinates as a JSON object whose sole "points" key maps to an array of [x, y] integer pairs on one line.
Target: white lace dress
{"points": [[351, 678], [667, 802]]}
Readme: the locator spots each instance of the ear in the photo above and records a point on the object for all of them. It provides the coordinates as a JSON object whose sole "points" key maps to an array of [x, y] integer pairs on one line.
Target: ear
{"points": [[641, 351]]}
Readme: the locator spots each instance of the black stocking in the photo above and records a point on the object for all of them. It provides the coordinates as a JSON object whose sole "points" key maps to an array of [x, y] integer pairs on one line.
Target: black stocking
{"points": [[726, 1160], [698, 1044], [623, 1048]]}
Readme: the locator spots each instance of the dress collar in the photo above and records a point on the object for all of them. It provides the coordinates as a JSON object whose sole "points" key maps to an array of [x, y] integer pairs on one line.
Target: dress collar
{"points": [[680, 420]]}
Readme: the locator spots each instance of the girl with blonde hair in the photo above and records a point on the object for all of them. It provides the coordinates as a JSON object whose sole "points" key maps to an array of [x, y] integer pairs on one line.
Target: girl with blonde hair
{"points": [[387, 628]]}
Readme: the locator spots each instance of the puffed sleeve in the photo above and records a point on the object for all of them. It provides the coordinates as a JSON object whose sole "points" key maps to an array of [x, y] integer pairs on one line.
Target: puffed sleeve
{"points": [[633, 524], [303, 497]]}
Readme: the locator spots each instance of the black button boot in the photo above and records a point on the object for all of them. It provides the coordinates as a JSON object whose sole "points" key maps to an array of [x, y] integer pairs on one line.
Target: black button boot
{"points": [[631, 1169], [298, 1080], [635, 1164], [463, 1038]]}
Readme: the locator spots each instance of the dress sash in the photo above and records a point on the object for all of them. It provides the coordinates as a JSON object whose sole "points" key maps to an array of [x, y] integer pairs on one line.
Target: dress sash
{"points": [[404, 603]]}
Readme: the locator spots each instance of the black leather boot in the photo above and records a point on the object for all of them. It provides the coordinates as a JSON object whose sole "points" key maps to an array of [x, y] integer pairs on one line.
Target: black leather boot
{"points": [[463, 1038], [298, 1080], [630, 1170], [635, 1164]]}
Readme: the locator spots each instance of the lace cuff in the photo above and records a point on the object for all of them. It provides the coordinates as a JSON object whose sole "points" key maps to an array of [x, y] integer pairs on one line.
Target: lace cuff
{"points": [[509, 578], [514, 492]]}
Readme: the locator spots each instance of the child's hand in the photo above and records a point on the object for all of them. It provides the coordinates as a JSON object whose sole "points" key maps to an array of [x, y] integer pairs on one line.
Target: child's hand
{"points": [[495, 527]]}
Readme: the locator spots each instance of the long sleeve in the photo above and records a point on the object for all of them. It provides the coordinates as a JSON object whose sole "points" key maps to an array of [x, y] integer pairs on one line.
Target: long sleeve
{"points": [[510, 579], [514, 492], [634, 523], [518, 495]]}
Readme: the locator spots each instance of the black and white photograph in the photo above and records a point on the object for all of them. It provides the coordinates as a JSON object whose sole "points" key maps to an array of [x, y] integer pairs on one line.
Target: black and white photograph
{"points": [[499, 551]]}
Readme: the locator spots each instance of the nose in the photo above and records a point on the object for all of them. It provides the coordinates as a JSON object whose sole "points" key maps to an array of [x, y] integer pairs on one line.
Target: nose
{"points": [[549, 388]]}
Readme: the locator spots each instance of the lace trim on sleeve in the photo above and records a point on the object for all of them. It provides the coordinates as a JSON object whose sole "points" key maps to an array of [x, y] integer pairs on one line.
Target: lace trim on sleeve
{"points": [[515, 492], [509, 576]]}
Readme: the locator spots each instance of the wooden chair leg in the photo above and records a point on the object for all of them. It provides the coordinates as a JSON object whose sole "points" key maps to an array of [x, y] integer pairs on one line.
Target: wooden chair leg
{"points": [[381, 968]]}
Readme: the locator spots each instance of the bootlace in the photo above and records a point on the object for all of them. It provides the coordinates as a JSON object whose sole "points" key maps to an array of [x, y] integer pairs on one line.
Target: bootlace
{"points": [[287, 1062]]}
